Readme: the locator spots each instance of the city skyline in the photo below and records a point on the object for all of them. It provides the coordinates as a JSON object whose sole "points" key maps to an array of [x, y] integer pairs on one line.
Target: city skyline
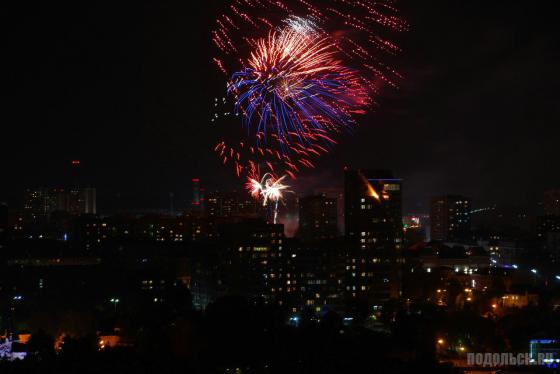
{"points": [[280, 186], [440, 137]]}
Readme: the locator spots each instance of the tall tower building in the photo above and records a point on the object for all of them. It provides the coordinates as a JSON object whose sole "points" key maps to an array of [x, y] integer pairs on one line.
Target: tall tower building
{"points": [[317, 217], [197, 196], [450, 218], [373, 228], [78, 199], [75, 176], [89, 200], [337, 194], [81, 201], [254, 259]]}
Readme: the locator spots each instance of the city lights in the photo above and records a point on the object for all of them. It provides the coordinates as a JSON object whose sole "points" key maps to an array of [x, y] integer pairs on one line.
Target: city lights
{"points": [[253, 186]]}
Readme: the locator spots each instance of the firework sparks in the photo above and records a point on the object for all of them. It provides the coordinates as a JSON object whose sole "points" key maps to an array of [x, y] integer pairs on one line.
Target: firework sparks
{"points": [[269, 188], [359, 26], [299, 72], [294, 84]]}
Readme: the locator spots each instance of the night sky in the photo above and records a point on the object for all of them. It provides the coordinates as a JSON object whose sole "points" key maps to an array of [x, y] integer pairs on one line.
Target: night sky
{"points": [[128, 88]]}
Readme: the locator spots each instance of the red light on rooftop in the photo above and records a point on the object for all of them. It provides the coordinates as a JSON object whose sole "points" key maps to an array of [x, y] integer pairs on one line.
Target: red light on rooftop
{"points": [[196, 180], [75, 162]]}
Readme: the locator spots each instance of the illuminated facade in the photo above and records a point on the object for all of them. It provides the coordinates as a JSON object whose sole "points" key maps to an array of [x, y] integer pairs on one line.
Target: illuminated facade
{"points": [[253, 259], [450, 218], [39, 203], [374, 230], [233, 204], [317, 274]]}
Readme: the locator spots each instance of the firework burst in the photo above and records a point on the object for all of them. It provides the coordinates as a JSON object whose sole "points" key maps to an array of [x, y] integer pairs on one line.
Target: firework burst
{"points": [[293, 84], [269, 189], [299, 72]]}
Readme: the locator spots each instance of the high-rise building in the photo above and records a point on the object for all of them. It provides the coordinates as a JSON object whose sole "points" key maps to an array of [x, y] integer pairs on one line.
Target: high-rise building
{"points": [[336, 193], [80, 201], [233, 204], [373, 228], [450, 218], [197, 203], [89, 198], [317, 217], [317, 275], [39, 203], [253, 259], [552, 202]]}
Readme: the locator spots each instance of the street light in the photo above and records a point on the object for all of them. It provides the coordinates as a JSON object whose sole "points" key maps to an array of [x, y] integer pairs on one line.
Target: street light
{"points": [[115, 301], [534, 271]]}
